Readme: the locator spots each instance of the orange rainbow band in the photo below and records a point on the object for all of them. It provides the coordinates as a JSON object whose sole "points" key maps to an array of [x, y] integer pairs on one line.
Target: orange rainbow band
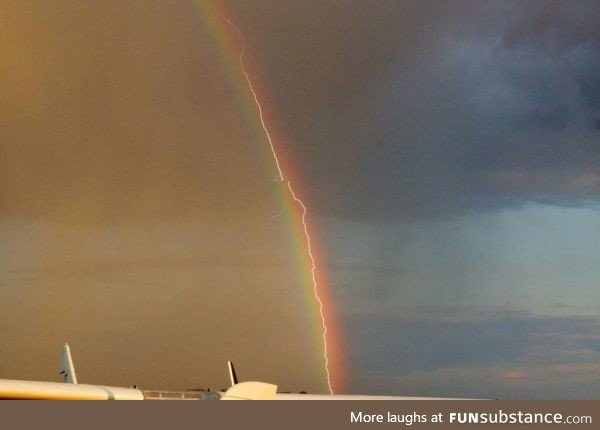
{"points": [[214, 18]]}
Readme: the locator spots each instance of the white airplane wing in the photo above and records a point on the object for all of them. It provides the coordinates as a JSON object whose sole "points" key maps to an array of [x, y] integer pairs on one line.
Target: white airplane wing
{"points": [[40, 390], [67, 390], [70, 389]]}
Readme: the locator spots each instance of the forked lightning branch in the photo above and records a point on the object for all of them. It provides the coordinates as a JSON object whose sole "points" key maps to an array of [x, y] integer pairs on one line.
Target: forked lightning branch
{"points": [[297, 200]]}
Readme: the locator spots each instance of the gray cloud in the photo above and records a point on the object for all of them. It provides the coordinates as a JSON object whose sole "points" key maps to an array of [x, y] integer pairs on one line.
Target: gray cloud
{"points": [[415, 114]]}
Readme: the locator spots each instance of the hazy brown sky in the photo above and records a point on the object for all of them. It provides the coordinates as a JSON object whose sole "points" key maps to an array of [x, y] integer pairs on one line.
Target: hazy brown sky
{"points": [[136, 214]]}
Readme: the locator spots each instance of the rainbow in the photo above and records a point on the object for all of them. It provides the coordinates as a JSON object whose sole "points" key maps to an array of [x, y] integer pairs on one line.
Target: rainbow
{"points": [[230, 45]]}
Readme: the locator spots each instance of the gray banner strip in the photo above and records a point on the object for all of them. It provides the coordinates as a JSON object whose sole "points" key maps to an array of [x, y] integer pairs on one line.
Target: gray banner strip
{"points": [[298, 414]]}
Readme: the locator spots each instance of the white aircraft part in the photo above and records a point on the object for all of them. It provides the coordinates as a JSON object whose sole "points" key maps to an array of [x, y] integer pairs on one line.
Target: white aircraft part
{"points": [[180, 395], [251, 391], [37, 390], [71, 390], [67, 369]]}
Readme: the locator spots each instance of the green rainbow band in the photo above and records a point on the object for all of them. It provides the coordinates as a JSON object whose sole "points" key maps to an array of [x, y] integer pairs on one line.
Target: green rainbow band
{"points": [[214, 18]]}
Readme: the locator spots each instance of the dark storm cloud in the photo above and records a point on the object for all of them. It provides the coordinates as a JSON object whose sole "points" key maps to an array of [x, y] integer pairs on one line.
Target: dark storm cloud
{"points": [[555, 27], [408, 111]]}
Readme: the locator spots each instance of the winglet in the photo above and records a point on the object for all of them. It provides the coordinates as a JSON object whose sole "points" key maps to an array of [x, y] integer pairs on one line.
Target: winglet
{"points": [[67, 370], [232, 375]]}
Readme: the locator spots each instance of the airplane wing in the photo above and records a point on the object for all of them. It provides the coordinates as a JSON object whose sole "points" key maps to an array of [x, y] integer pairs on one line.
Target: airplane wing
{"points": [[40, 390], [67, 390], [70, 389]]}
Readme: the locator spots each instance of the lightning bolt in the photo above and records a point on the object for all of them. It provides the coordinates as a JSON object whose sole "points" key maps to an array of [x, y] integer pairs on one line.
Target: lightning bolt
{"points": [[297, 200]]}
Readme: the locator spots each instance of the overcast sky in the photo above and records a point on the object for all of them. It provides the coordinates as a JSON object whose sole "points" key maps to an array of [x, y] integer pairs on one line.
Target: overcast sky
{"points": [[448, 152]]}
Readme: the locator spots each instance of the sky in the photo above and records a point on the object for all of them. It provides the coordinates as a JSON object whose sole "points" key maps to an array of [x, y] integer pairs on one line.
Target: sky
{"points": [[448, 154]]}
